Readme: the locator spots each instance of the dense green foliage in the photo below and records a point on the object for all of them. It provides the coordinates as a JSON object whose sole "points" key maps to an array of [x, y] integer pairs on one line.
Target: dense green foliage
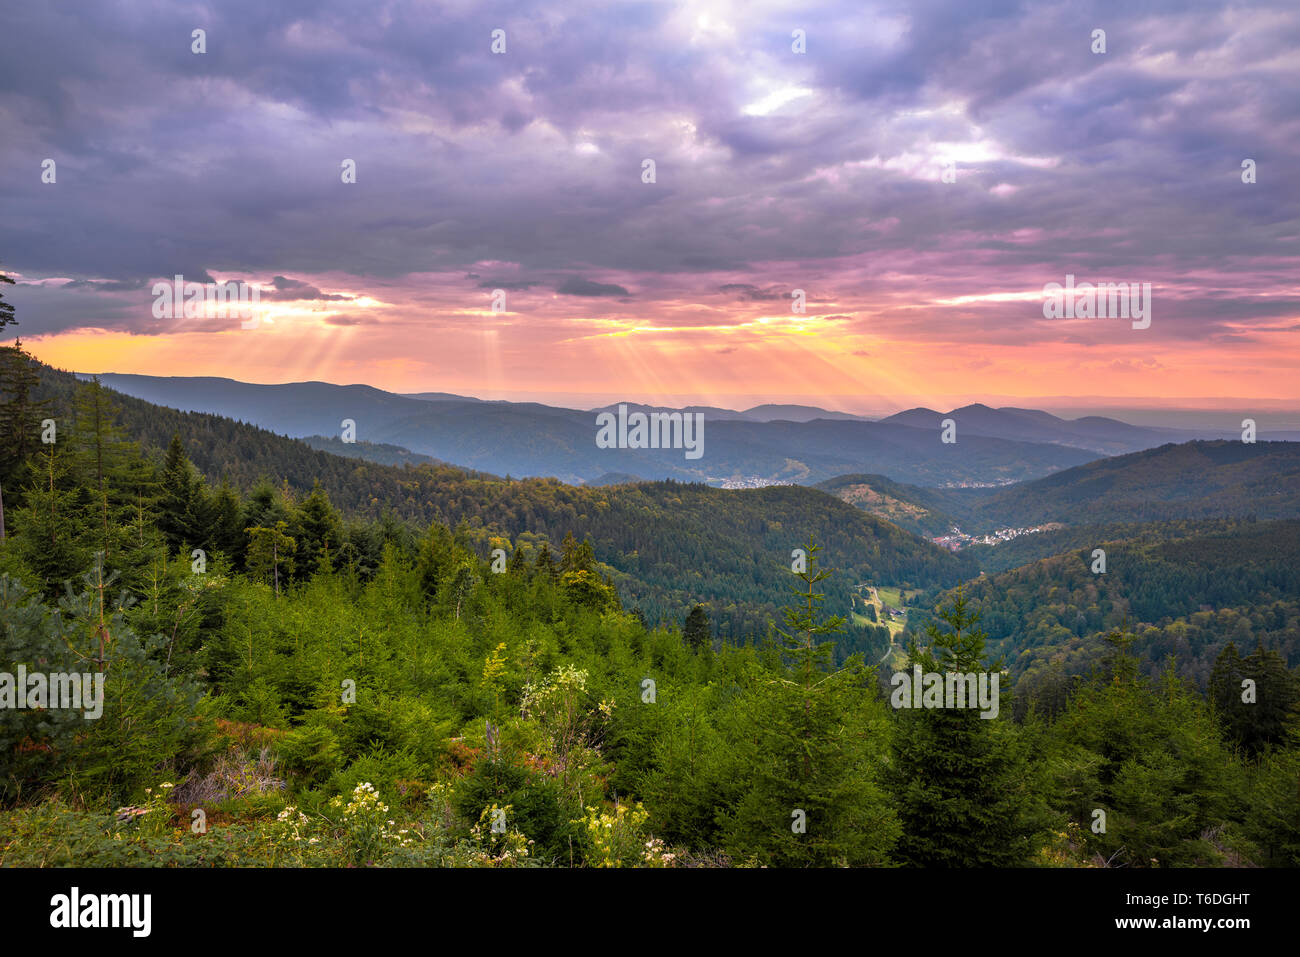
{"points": [[1194, 480], [668, 546], [1185, 597], [963, 793], [290, 683]]}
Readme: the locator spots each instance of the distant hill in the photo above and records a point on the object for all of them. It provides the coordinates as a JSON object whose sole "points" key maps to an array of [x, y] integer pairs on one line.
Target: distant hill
{"points": [[1095, 433], [759, 413], [1195, 480], [615, 478], [924, 511], [370, 451], [440, 397], [297, 409], [531, 439], [796, 413], [710, 412], [669, 544]]}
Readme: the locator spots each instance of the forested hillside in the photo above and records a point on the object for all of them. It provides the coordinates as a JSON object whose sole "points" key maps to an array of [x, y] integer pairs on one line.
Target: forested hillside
{"points": [[1195, 480], [283, 686], [668, 545], [1184, 591], [925, 511]]}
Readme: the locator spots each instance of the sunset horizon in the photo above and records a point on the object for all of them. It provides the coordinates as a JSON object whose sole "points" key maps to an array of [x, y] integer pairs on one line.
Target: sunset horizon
{"points": [[702, 200]]}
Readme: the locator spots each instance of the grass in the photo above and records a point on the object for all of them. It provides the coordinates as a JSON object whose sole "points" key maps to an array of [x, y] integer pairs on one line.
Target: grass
{"points": [[888, 595]]}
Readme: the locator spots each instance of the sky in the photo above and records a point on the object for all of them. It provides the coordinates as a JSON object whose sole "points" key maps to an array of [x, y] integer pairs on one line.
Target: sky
{"points": [[920, 170]]}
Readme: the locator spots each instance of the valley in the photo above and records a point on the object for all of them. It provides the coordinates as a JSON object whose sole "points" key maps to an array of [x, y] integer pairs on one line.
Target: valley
{"points": [[335, 559], [956, 539]]}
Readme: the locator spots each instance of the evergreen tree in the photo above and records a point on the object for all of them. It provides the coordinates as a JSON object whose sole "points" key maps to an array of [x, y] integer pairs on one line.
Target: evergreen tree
{"points": [[1273, 806], [545, 563], [264, 507], [225, 532], [1258, 714], [182, 506], [696, 632], [960, 781], [808, 741], [318, 530], [517, 567], [808, 655], [1150, 757], [270, 554], [20, 423], [576, 556], [147, 719], [435, 561], [51, 540], [108, 465]]}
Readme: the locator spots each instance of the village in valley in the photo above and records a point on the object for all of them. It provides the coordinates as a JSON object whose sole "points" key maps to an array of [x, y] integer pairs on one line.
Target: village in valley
{"points": [[956, 539]]}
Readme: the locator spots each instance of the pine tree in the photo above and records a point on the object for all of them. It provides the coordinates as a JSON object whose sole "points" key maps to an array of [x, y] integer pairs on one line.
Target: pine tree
{"points": [[318, 530], [270, 554], [182, 506], [6, 308], [959, 779], [110, 468], [148, 717], [696, 633], [808, 741], [1273, 809], [545, 563], [50, 540], [1224, 690], [1259, 715], [20, 423], [1147, 754], [576, 556], [801, 646], [225, 531], [435, 561], [517, 567], [264, 506]]}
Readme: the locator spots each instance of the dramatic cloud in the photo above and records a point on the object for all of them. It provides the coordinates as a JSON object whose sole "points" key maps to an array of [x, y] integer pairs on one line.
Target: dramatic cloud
{"points": [[921, 171], [585, 287], [294, 290]]}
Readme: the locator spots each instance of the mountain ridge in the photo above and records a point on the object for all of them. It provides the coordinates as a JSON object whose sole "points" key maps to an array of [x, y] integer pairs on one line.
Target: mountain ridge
{"points": [[536, 439]]}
